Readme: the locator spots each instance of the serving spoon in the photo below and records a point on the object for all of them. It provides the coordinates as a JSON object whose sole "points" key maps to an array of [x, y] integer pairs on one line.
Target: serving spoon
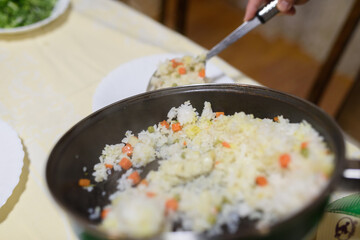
{"points": [[262, 16]]}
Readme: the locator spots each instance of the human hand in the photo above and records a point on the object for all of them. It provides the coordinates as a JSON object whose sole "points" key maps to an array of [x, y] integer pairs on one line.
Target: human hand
{"points": [[284, 6]]}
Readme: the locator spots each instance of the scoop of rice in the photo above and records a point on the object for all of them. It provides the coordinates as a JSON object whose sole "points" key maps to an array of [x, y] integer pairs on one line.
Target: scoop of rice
{"points": [[179, 71]]}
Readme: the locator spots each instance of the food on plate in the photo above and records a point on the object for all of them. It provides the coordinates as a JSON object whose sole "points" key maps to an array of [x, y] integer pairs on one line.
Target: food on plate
{"points": [[179, 71], [24, 12], [215, 169]]}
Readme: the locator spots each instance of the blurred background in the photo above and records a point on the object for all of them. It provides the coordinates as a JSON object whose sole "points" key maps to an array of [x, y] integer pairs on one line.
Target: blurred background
{"points": [[314, 54]]}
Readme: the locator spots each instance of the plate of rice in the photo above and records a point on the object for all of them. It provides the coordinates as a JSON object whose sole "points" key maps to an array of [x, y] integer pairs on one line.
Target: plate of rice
{"points": [[127, 80], [24, 16]]}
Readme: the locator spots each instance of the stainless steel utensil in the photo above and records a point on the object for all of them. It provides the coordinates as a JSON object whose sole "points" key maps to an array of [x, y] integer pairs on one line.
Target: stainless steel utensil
{"points": [[262, 16]]}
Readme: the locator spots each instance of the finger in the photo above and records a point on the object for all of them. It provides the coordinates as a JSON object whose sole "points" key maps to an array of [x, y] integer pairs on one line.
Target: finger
{"points": [[285, 5], [251, 9], [292, 11]]}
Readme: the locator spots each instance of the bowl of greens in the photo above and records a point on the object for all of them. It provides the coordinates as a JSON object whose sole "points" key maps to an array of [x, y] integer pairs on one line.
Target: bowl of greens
{"points": [[24, 15]]}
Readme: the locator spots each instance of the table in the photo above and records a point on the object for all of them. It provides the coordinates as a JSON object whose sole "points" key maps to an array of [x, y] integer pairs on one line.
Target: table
{"points": [[48, 78]]}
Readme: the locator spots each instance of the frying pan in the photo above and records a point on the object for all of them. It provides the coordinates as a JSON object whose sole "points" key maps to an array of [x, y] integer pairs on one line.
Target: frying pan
{"points": [[81, 147]]}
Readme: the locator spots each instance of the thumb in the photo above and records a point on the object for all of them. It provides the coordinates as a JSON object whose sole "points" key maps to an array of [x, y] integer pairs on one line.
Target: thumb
{"points": [[285, 5]]}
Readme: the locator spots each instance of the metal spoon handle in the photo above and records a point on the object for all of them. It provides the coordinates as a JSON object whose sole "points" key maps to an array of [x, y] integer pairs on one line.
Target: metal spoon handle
{"points": [[268, 11], [262, 16]]}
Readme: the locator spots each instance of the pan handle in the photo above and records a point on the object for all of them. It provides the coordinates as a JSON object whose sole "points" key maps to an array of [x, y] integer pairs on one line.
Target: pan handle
{"points": [[351, 176], [352, 169]]}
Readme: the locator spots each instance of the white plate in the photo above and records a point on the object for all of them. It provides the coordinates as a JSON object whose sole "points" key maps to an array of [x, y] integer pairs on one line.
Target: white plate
{"points": [[11, 161], [132, 78], [59, 9]]}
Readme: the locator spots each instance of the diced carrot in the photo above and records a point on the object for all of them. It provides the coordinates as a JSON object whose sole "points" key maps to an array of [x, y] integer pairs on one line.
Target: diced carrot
{"points": [[128, 149], [284, 160], [176, 127], [202, 73], [226, 144], [150, 194], [171, 204], [125, 163], [182, 71], [218, 114], [135, 177], [110, 166], [325, 176], [217, 209], [217, 162], [83, 182], [104, 213], [304, 145], [175, 63], [261, 181], [144, 182], [276, 119], [165, 124], [184, 143]]}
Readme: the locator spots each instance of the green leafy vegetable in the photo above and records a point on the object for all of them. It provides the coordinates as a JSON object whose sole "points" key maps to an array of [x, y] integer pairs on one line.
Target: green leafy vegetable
{"points": [[17, 13]]}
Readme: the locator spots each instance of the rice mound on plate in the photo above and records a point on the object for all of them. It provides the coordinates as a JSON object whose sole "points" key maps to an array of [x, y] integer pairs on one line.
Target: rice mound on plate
{"points": [[214, 170], [179, 72]]}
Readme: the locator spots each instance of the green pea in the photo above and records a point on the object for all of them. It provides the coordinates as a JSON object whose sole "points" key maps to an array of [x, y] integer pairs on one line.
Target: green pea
{"points": [[211, 219], [225, 200], [151, 129], [218, 141], [177, 197], [218, 208], [305, 152]]}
